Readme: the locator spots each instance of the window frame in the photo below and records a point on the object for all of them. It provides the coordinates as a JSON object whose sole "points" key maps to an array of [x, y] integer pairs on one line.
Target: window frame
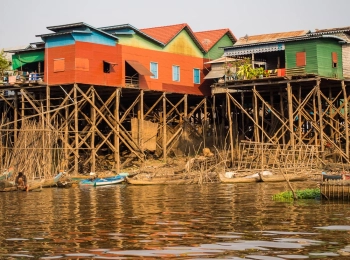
{"points": [[176, 73], [59, 65], [300, 59], [157, 70], [194, 76], [334, 59]]}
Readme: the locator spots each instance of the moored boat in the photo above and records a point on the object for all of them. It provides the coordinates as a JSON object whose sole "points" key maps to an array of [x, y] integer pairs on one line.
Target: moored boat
{"points": [[6, 174], [281, 177], [157, 181], [247, 179], [103, 181]]}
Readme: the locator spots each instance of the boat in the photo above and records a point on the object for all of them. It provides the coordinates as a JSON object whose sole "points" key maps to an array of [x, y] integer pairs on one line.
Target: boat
{"points": [[52, 181], [247, 179], [332, 177], [156, 181], [7, 174], [282, 178], [103, 181]]}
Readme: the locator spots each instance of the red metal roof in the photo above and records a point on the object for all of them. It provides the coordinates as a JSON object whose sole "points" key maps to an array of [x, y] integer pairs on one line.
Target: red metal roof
{"points": [[164, 34], [269, 37], [209, 38]]}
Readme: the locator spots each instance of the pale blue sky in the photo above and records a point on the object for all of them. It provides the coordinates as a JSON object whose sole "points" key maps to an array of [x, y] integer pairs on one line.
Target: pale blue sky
{"points": [[21, 20]]}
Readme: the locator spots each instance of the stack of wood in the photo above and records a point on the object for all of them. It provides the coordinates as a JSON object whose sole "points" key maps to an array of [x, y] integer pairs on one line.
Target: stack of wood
{"points": [[36, 152]]}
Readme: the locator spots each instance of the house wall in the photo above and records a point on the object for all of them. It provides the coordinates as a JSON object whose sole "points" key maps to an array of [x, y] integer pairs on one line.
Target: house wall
{"points": [[318, 57], [215, 52], [165, 62], [346, 60], [324, 53], [63, 52], [310, 47], [94, 54]]}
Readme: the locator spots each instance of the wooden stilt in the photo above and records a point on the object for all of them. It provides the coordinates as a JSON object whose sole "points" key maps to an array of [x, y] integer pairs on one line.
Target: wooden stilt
{"points": [[228, 104], [92, 138], [76, 130], [320, 116], [164, 129], [290, 114], [116, 136], [346, 118]]}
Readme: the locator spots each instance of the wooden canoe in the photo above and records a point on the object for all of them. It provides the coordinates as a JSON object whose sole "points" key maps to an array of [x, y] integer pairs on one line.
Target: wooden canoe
{"points": [[224, 179], [155, 181], [281, 178]]}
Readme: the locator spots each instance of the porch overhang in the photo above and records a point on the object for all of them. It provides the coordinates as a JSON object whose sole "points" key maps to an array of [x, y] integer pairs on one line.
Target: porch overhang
{"points": [[142, 70], [244, 50], [215, 74]]}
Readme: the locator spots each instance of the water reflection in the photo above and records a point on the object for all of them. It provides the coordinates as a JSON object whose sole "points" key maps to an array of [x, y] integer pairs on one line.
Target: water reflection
{"points": [[190, 222]]}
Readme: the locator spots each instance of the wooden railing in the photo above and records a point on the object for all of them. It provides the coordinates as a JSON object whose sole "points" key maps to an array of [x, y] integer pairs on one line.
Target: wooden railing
{"points": [[131, 82]]}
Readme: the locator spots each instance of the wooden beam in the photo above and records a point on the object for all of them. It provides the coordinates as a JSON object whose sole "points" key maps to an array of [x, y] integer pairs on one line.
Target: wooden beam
{"points": [[116, 137], [164, 128], [228, 105], [346, 122], [290, 114]]}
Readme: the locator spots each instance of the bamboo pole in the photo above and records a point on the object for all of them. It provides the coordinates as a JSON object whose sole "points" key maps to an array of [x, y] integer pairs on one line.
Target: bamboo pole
{"points": [[164, 128], [116, 137], [76, 129], [290, 114], [320, 115], [92, 138], [256, 116], [346, 122], [15, 115], [228, 105], [282, 114]]}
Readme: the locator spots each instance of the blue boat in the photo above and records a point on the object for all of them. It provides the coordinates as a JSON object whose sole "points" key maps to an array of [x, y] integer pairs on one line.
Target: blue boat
{"points": [[6, 174], [103, 181]]}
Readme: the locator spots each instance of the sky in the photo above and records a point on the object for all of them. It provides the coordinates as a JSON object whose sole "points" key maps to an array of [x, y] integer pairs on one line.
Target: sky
{"points": [[21, 20]]}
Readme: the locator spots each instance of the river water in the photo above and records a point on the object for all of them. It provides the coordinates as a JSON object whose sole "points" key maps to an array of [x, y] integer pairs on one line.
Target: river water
{"points": [[216, 221]]}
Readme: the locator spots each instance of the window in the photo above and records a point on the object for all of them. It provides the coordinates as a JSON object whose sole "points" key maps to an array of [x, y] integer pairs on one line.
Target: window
{"points": [[154, 70], [81, 64], [176, 73], [106, 67], [301, 59], [58, 65], [334, 60], [196, 76]]}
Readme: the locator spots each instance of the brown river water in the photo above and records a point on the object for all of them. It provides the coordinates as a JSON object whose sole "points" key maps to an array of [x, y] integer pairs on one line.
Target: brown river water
{"points": [[214, 221]]}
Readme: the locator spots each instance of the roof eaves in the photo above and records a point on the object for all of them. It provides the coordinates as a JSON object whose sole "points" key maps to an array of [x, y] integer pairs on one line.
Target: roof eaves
{"points": [[192, 35], [133, 28], [72, 25]]}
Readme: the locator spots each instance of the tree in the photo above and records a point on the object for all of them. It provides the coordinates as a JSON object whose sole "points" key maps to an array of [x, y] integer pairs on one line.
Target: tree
{"points": [[4, 63]]}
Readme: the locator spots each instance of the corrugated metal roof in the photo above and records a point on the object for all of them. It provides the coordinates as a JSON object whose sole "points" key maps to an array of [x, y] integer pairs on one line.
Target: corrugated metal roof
{"points": [[59, 28], [254, 39], [165, 34], [215, 74], [220, 60], [209, 38], [333, 30], [129, 26], [142, 70]]}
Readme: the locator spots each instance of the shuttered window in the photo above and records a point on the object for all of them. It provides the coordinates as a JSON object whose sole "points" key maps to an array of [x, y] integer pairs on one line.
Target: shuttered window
{"points": [[154, 70], [176, 73], [81, 64], [58, 65], [301, 59], [334, 59], [196, 76]]}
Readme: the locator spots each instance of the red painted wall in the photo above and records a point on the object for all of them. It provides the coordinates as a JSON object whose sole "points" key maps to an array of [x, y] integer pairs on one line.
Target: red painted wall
{"points": [[96, 53], [165, 62]]}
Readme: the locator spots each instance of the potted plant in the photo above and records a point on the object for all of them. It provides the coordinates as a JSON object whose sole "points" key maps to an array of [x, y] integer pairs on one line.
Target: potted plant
{"points": [[259, 72]]}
